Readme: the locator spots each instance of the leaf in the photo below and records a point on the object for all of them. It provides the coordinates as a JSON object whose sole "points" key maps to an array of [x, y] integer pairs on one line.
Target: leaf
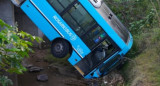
{"points": [[22, 48], [0, 58], [38, 39], [13, 50], [23, 54], [5, 81], [14, 38]]}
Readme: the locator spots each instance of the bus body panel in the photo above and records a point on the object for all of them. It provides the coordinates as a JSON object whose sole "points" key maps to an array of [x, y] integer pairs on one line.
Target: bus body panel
{"points": [[90, 75], [127, 47], [74, 59], [39, 20]]}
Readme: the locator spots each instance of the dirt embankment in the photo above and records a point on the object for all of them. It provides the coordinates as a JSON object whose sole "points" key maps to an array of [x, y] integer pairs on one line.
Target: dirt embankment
{"points": [[60, 73]]}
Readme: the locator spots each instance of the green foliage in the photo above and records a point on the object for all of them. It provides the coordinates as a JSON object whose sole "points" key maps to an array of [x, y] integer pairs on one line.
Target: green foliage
{"points": [[14, 47], [137, 27], [156, 36], [147, 67], [5, 81], [129, 10], [137, 15]]}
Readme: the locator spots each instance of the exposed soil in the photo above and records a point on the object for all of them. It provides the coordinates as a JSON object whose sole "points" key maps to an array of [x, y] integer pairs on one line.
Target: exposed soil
{"points": [[58, 75]]}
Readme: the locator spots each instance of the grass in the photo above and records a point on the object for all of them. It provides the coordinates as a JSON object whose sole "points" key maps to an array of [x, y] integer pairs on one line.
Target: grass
{"points": [[144, 69]]}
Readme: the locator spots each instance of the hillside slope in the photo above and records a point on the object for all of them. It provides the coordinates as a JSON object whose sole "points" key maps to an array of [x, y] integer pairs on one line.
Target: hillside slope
{"points": [[144, 69]]}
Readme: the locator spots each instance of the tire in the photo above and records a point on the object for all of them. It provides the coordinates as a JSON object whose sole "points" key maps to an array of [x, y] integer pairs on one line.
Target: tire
{"points": [[60, 48], [17, 2]]}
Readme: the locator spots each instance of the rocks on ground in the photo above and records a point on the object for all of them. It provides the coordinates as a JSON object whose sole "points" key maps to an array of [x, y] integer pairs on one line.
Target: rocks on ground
{"points": [[42, 77], [34, 69], [113, 79]]}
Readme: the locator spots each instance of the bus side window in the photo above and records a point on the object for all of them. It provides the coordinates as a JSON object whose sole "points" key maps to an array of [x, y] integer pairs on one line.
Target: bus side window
{"points": [[65, 3], [56, 5], [72, 23]]}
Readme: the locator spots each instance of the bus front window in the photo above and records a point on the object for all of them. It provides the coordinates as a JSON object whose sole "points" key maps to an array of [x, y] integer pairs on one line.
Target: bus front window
{"points": [[113, 21]]}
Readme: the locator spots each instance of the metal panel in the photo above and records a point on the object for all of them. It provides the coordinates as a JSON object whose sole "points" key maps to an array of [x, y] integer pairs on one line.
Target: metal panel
{"points": [[39, 20]]}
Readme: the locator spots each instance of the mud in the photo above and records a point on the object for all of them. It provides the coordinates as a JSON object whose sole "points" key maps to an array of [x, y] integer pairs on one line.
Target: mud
{"points": [[58, 75]]}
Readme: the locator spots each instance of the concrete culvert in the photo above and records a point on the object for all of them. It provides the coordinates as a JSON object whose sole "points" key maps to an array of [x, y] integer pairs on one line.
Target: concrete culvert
{"points": [[17, 2]]}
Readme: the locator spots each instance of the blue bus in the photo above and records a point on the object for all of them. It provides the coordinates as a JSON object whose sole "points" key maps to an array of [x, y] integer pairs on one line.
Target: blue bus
{"points": [[86, 29]]}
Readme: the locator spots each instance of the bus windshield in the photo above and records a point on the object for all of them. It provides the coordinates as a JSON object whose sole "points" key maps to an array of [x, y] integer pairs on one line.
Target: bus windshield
{"points": [[114, 22]]}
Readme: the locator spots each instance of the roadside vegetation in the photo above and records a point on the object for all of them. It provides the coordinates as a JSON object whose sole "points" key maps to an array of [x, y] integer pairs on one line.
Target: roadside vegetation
{"points": [[14, 47], [142, 17]]}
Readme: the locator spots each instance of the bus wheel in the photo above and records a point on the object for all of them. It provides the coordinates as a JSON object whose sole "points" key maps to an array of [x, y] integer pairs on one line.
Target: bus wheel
{"points": [[60, 48]]}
